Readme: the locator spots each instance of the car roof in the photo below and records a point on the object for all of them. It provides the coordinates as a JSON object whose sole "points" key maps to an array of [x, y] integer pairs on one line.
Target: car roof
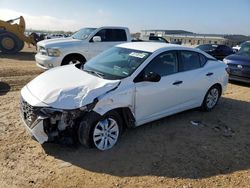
{"points": [[154, 46]]}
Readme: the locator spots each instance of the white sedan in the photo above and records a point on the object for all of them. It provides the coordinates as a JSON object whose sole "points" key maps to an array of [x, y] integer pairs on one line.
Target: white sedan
{"points": [[126, 86]]}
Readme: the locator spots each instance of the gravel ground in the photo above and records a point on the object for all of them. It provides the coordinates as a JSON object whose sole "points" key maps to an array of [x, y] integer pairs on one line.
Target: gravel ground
{"points": [[170, 152]]}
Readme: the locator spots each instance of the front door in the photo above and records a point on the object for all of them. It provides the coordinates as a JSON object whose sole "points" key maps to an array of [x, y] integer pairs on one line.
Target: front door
{"points": [[155, 99]]}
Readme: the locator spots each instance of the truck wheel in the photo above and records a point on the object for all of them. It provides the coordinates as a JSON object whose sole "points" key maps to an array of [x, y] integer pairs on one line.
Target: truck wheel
{"points": [[73, 60], [20, 45], [101, 132], [9, 43]]}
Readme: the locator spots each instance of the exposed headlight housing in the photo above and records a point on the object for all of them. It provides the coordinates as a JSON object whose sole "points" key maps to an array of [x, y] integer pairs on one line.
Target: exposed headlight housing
{"points": [[54, 52], [73, 114]]}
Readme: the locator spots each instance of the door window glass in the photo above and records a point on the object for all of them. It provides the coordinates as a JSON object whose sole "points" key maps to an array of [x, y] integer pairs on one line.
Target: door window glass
{"points": [[189, 60], [164, 64], [112, 35]]}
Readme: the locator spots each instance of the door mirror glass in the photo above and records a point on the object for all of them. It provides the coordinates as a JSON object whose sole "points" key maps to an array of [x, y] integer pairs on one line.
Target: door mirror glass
{"points": [[152, 77], [97, 39]]}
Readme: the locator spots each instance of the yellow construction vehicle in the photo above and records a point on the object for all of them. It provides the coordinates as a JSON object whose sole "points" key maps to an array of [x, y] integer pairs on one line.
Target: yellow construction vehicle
{"points": [[12, 36]]}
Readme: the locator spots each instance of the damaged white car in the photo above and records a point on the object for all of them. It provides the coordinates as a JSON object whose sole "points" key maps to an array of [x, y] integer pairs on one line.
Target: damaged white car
{"points": [[126, 86]]}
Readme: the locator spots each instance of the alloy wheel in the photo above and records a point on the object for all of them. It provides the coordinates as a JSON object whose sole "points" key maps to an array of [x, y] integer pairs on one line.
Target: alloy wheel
{"points": [[106, 133], [212, 98]]}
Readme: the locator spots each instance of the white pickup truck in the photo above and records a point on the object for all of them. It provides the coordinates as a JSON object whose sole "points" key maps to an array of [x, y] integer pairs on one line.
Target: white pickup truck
{"points": [[80, 47]]}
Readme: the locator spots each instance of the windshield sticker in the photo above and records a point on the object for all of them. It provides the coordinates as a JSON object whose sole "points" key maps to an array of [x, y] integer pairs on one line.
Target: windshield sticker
{"points": [[126, 73], [136, 54], [116, 67]]}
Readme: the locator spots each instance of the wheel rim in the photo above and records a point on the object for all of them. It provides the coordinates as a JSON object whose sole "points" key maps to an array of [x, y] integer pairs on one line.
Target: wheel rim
{"points": [[74, 62], [212, 98], [106, 134], [8, 43]]}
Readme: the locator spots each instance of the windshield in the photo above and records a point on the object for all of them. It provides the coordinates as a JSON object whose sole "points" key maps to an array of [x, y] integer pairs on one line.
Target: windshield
{"points": [[244, 49], [83, 34], [116, 63], [207, 47]]}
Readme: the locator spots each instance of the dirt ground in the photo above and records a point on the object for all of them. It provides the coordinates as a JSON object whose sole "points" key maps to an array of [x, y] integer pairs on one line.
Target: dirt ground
{"points": [[170, 152]]}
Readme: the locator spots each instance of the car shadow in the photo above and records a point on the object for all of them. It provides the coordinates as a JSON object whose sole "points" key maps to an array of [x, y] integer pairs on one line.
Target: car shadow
{"points": [[191, 144], [243, 84], [4, 88], [23, 56]]}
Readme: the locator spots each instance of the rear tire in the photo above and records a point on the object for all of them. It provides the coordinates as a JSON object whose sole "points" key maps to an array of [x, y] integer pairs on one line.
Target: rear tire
{"points": [[10, 43], [211, 98]]}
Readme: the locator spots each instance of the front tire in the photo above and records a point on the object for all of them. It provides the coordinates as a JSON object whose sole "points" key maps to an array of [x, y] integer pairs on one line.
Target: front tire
{"points": [[73, 60], [10, 44], [211, 98], [100, 132]]}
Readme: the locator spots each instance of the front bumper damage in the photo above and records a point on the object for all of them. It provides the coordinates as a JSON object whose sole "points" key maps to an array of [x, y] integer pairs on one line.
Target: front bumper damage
{"points": [[48, 124], [37, 131]]}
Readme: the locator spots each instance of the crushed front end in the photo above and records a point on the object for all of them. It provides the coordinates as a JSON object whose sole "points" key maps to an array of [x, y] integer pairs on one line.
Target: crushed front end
{"points": [[48, 124]]}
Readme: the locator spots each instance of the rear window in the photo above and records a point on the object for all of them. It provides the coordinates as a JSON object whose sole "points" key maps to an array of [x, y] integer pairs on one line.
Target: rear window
{"points": [[207, 47], [189, 61], [203, 60]]}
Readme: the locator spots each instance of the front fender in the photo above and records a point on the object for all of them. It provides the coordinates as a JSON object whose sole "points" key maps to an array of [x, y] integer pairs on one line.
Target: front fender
{"points": [[113, 101]]}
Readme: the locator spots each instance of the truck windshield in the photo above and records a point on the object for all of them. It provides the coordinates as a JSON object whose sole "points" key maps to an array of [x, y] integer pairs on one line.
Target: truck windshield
{"points": [[83, 34], [116, 63]]}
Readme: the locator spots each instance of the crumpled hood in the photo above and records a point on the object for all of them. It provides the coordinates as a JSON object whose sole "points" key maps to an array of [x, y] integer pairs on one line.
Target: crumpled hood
{"points": [[58, 42], [68, 87]]}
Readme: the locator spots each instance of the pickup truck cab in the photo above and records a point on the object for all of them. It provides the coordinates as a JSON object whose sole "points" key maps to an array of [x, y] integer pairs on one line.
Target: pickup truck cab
{"points": [[80, 47]]}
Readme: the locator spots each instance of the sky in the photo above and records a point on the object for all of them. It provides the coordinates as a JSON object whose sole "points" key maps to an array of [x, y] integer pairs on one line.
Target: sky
{"points": [[199, 16]]}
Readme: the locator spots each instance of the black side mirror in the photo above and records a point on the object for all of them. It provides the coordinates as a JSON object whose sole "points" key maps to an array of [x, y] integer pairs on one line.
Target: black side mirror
{"points": [[151, 77]]}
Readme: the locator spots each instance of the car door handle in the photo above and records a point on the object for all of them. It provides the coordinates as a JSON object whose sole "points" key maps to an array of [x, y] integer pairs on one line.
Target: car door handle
{"points": [[177, 82], [209, 74]]}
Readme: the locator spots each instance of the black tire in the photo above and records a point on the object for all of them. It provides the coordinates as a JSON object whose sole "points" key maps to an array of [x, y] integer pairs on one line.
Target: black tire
{"points": [[88, 125], [205, 105], [73, 60], [10, 44], [20, 45]]}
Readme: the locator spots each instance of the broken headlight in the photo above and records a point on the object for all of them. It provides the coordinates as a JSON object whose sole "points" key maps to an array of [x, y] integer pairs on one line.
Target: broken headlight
{"points": [[48, 112], [75, 113]]}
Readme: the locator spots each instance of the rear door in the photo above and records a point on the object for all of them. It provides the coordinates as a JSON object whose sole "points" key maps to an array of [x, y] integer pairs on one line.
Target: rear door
{"points": [[109, 38], [197, 78]]}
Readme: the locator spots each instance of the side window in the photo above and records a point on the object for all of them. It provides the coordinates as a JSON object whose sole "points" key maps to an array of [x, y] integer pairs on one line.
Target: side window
{"points": [[224, 48], [164, 64], [102, 34], [112, 35], [203, 60], [189, 60], [119, 35], [228, 49], [221, 48]]}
